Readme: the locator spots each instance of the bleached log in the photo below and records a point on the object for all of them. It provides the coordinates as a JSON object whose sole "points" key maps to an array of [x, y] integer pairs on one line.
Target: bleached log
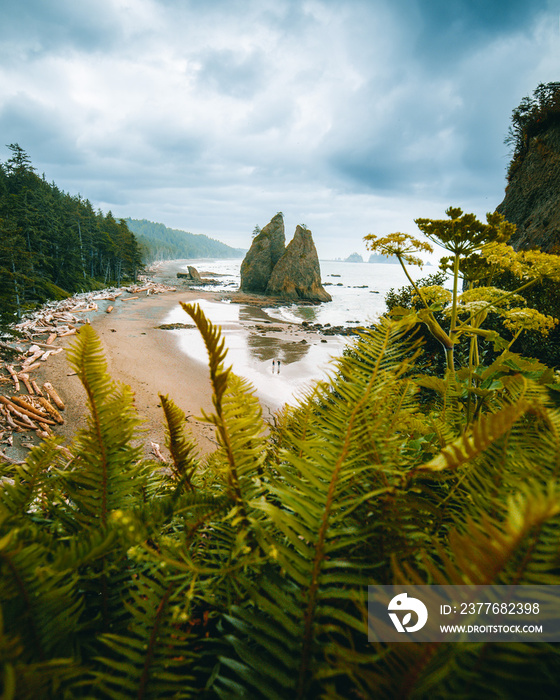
{"points": [[20, 417], [51, 338], [47, 354], [14, 376], [83, 311], [29, 409], [25, 379], [157, 452], [30, 368], [51, 410], [51, 391], [31, 359], [10, 421]]}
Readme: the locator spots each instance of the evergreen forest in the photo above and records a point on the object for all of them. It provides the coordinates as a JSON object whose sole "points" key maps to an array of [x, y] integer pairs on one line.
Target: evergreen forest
{"points": [[162, 243], [53, 244]]}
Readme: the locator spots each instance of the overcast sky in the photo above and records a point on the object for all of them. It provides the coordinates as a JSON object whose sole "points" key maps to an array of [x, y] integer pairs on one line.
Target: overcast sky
{"points": [[350, 116]]}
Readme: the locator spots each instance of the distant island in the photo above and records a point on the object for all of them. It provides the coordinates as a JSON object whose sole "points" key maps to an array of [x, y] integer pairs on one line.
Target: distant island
{"points": [[159, 243], [378, 258], [355, 257]]}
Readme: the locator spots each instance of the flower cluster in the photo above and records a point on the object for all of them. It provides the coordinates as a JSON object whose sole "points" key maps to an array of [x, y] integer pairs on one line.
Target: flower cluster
{"points": [[434, 295], [403, 245], [517, 320], [526, 265], [463, 234]]}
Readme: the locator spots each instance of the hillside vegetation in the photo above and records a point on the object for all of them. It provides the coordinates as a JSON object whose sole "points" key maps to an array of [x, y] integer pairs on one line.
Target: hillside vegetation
{"points": [[533, 116], [53, 244], [162, 243]]}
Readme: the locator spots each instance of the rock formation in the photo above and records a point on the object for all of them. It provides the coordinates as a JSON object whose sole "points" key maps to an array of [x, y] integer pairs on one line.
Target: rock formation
{"points": [[291, 273], [266, 250], [297, 275], [531, 201], [192, 274]]}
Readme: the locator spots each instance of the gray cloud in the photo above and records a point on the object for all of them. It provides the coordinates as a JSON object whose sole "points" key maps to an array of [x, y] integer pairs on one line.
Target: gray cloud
{"points": [[348, 115]]}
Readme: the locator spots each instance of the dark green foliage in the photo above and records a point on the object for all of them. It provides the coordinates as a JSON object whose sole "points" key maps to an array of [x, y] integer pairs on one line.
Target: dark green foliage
{"points": [[533, 116], [544, 297], [53, 244], [245, 575], [431, 360], [160, 243]]}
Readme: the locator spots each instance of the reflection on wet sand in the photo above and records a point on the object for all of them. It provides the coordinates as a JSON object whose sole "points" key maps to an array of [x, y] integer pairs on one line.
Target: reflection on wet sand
{"points": [[254, 339], [253, 313], [263, 348]]}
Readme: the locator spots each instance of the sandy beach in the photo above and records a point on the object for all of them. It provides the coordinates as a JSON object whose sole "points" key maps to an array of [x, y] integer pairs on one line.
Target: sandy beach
{"points": [[149, 359]]}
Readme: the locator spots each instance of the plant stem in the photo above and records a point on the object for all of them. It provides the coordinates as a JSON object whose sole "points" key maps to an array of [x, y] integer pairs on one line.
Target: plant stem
{"points": [[416, 289], [454, 303]]}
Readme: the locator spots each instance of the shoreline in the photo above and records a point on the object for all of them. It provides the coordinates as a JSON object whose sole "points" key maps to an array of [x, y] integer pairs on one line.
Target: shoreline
{"points": [[151, 362]]}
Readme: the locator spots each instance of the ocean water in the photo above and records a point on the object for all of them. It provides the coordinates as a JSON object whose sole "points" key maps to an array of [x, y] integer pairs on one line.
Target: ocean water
{"points": [[358, 291]]}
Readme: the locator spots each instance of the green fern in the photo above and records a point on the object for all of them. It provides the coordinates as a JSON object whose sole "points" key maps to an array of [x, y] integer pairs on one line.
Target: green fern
{"points": [[156, 656], [245, 573], [106, 469], [313, 499]]}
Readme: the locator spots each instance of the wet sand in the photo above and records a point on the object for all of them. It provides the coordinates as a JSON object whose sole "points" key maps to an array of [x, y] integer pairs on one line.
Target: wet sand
{"points": [[146, 359]]}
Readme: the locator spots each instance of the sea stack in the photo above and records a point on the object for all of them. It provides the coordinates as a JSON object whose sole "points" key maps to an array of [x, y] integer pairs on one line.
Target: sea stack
{"points": [[267, 248], [291, 272], [297, 275]]}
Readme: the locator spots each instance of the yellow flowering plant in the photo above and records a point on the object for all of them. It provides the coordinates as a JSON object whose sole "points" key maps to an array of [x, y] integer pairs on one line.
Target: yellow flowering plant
{"points": [[477, 251]]}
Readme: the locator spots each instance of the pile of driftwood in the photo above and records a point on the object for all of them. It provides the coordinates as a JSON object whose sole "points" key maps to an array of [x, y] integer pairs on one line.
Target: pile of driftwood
{"points": [[59, 319], [22, 412], [24, 405]]}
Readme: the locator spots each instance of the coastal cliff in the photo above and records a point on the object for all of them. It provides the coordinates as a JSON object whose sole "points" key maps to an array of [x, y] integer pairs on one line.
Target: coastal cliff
{"points": [[531, 200], [291, 272]]}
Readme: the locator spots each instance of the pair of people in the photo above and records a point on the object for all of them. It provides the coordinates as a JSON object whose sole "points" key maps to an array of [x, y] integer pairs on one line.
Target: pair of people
{"points": [[276, 366]]}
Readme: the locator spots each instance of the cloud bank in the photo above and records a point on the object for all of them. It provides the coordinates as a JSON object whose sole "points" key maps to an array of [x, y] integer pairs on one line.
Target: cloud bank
{"points": [[351, 116]]}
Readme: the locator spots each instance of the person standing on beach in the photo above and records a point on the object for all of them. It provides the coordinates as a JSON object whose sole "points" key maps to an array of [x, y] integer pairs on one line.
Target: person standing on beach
{"points": [[278, 366], [273, 366]]}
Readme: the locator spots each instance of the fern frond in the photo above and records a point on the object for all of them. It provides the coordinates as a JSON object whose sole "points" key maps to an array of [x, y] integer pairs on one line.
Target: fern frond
{"points": [[217, 352], [106, 468], [155, 658], [519, 548], [237, 417], [523, 548], [181, 447], [28, 481], [42, 606], [312, 499], [483, 433]]}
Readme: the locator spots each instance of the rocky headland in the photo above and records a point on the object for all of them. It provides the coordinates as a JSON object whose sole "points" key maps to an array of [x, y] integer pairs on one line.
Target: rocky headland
{"points": [[531, 200]]}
